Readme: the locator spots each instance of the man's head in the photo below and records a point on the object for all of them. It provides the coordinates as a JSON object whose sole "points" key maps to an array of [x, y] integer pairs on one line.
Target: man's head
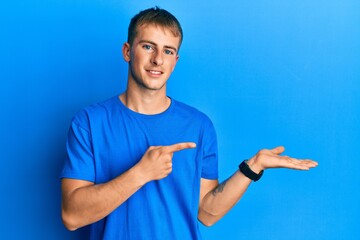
{"points": [[152, 49], [158, 17]]}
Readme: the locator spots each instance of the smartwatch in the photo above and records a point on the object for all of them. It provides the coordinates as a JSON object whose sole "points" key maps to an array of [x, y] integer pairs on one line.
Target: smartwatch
{"points": [[245, 169]]}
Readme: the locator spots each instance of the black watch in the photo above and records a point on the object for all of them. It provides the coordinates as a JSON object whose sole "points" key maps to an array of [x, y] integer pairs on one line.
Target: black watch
{"points": [[245, 169]]}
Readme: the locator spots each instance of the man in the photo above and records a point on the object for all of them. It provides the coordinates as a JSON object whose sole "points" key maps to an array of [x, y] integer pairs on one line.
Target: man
{"points": [[144, 166]]}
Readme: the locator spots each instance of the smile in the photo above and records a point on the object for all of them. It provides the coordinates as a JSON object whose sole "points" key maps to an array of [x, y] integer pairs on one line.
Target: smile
{"points": [[154, 72]]}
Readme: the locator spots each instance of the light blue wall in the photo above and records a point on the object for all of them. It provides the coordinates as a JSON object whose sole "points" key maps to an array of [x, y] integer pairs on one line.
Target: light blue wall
{"points": [[268, 73]]}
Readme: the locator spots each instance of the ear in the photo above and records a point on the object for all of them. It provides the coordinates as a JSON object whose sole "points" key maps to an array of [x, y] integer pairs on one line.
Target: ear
{"points": [[176, 60], [126, 52]]}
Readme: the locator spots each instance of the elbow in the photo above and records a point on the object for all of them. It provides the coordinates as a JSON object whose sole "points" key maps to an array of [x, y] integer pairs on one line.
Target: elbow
{"points": [[68, 221], [208, 219]]}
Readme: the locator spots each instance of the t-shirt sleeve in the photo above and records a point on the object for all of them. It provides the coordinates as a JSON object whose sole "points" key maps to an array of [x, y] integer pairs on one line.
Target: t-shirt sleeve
{"points": [[210, 153], [79, 161]]}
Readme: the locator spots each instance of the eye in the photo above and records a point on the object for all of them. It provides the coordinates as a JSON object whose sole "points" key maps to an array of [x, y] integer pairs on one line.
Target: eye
{"points": [[147, 47], [169, 52]]}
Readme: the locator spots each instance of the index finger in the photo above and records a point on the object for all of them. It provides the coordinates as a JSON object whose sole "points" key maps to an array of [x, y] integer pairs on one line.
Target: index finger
{"points": [[180, 146]]}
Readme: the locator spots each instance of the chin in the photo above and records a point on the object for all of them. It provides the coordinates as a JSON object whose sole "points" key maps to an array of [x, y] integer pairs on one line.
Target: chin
{"points": [[155, 86]]}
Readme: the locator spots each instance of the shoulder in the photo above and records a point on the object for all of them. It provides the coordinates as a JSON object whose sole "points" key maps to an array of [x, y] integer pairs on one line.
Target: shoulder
{"points": [[94, 112], [191, 112]]}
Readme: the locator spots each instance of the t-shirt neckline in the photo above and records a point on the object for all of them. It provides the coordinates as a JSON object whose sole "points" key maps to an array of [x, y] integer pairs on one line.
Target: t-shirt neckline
{"points": [[142, 115]]}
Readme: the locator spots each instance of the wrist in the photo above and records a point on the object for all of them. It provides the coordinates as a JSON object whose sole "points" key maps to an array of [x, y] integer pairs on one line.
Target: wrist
{"points": [[140, 174], [248, 172], [254, 166]]}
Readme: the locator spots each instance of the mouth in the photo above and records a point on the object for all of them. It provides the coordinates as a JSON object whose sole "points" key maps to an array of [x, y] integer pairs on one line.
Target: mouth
{"points": [[155, 72]]}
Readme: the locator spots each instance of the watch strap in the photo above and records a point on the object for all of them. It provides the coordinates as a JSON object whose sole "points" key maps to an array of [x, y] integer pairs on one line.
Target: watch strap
{"points": [[245, 169]]}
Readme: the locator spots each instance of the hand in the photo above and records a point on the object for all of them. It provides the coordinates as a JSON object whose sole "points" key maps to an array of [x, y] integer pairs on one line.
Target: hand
{"points": [[156, 163], [265, 159]]}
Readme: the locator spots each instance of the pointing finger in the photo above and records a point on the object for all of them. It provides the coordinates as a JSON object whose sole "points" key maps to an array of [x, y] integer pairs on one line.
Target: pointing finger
{"points": [[180, 146]]}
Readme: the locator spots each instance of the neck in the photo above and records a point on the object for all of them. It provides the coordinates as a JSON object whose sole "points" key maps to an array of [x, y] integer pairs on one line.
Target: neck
{"points": [[145, 103]]}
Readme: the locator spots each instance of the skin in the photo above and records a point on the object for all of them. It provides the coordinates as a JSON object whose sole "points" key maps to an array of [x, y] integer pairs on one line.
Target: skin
{"points": [[222, 197], [152, 57]]}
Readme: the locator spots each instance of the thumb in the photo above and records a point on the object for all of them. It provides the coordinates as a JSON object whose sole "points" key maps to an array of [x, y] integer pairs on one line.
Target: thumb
{"points": [[278, 150]]}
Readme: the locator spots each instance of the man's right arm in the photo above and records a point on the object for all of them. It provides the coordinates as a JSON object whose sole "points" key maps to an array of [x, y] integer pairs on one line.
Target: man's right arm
{"points": [[84, 202]]}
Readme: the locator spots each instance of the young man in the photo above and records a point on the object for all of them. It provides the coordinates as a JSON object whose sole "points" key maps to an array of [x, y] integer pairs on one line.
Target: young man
{"points": [[144, 166]]}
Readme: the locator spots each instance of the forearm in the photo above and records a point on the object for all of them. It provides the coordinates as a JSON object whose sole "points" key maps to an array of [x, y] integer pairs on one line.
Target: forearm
{"points": [[220, 200], [89, 204], [216, 203], [84, 203]]}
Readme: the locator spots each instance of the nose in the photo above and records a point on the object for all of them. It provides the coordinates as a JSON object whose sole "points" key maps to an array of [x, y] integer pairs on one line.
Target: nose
{"points": [[157, 58]]}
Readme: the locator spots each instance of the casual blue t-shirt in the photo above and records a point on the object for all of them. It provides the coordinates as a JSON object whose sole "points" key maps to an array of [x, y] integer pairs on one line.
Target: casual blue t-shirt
{"points": [[107, 139]]}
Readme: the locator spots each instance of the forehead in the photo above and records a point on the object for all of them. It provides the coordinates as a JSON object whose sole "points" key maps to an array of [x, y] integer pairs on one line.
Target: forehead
{"points": [[158, 34]]}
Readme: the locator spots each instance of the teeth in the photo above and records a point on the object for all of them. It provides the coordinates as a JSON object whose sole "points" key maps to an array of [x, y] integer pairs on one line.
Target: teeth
{"points": [[155, 72]]}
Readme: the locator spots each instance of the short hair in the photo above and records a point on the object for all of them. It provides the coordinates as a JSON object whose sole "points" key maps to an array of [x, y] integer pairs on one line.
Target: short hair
{"points": [[157, 16]]}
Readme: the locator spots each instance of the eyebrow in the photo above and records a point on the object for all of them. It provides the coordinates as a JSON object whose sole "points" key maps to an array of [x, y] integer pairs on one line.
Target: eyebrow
{"points": [[151, 42]]}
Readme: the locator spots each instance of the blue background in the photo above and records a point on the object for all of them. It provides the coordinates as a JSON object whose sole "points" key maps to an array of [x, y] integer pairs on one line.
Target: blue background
{"points": [[268, 73]]}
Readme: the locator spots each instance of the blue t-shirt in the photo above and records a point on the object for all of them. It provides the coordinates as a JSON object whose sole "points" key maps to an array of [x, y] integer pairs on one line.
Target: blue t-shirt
{"points": [[107, 139]]}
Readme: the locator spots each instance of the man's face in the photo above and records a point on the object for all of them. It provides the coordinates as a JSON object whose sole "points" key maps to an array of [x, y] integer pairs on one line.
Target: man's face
{"points": [[152, 56]]}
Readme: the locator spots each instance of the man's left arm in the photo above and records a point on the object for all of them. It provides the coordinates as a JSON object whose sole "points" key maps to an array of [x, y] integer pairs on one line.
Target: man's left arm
{"points": [[217, 199]]}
